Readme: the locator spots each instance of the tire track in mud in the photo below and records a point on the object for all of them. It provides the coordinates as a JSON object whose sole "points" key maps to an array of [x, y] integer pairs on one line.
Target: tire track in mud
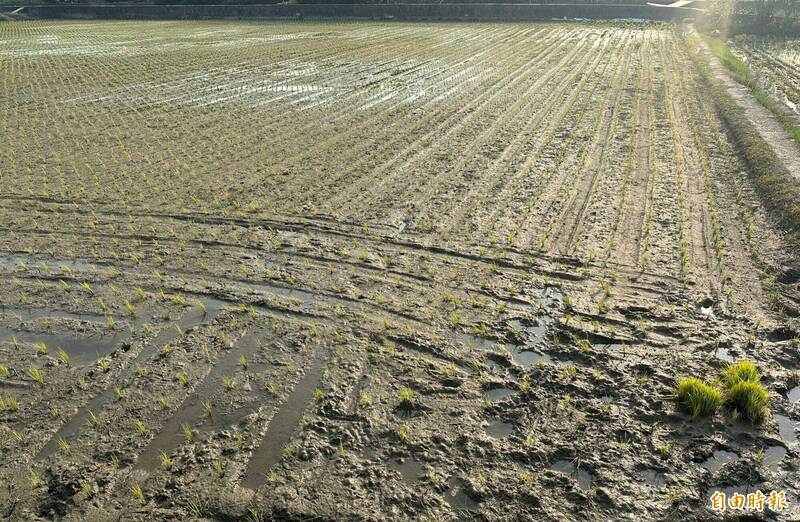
{"points": [[73, 426], [284, 422], [540, 263], [236, 289]]}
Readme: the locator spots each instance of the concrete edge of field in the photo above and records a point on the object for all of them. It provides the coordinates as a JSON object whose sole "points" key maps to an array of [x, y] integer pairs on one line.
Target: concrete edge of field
{"points": [[772, 158], [471, 12], [771, 130]]}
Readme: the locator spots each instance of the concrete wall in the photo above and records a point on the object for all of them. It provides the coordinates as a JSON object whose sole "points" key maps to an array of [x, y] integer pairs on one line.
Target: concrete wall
{"points": [[489, 12]]}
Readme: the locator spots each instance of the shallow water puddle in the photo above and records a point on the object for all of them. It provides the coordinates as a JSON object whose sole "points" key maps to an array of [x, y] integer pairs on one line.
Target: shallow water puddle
{"points": [[794, 395], [498, 394], [12, 263], [27, 314], [787, 428], [499, 429], [473, 341], [81, 349], [457, 496], [719, 459], [283, 425], [530, 358], [567, 467]]}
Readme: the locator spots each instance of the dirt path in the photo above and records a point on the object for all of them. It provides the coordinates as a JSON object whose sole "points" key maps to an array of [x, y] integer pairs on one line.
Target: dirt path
{"points": [[787, 150]]}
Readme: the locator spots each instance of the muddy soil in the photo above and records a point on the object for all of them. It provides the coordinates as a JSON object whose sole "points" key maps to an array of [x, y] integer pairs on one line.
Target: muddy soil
{"points": [[367, 271]]}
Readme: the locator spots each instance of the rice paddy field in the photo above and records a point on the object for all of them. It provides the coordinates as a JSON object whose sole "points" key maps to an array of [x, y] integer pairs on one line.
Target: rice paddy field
{"points": [[380, 271], [776, 64]]}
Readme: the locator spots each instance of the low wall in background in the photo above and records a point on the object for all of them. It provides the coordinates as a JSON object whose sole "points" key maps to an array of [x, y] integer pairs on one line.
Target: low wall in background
{"points": [[488, 12]]}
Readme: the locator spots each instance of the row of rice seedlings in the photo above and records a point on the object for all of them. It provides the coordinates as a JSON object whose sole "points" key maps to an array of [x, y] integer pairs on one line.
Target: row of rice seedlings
{"points": [[680, 176], [526, 181], [364, 192], [568, 187], [631, 154], [645, 237], [511, 153]]}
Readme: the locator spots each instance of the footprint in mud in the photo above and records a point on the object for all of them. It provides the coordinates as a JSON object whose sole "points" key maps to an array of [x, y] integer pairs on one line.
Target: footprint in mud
{"points": [[773, 457], [498, 429], [719, 459], [457, 495], [409, 468], [787, 428], [568, 467], [498, 394], [652, 477]]}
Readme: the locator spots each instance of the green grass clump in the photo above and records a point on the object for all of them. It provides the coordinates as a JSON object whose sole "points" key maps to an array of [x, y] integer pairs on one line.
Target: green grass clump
{"points": [[740, 371], [699, 398], [744, 394], [732, 62], [748, 399], [741, 73]]}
